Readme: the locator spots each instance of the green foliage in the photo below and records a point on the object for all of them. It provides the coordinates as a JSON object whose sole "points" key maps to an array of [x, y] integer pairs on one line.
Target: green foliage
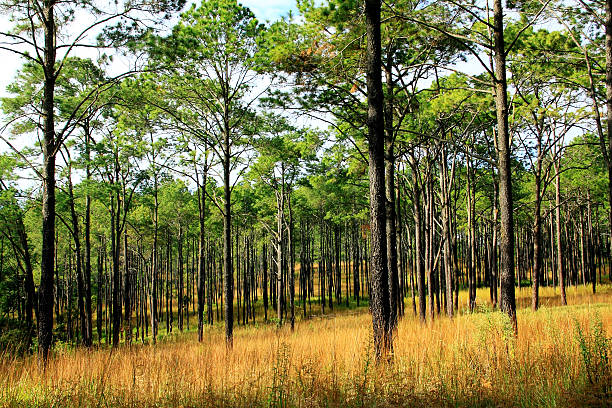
{"points": [[495, 325], [279, 395], [594, 348], [15, 337]]}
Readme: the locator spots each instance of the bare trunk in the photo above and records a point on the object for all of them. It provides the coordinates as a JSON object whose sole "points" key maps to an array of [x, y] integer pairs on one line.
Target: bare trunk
{"points": [[47, 262], [446, 219], [88, 341], [376, 137], [560, 265], [228, 274], [507, 302], [77, 245], [607, 151], [537, 233], [390, 203]]}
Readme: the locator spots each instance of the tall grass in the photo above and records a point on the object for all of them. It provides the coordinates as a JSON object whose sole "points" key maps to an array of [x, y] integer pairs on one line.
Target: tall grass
{"points": [[471, 360]]}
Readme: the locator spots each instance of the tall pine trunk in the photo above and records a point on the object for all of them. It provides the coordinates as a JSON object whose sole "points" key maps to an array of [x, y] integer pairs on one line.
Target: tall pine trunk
{"points": [[376, 137], [507, 302], [87, 273], [228, 274], [47, 260]]}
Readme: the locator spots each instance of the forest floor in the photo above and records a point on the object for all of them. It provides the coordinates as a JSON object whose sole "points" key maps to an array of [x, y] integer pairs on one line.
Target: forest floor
{"points": [[561, 357]]}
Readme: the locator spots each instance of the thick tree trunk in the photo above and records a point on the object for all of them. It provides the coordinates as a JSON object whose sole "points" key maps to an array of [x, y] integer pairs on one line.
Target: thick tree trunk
{"points": [[506, 242], [47, 264], [376, 137], [607, 150]]}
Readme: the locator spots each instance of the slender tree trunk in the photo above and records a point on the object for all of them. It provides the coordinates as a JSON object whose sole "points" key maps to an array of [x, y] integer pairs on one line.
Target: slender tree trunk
{"points": [[100, 292], [264, 267], [429, 244], [591, 248], [560, 265], [154, 263], [127, 290], [390, 200], [292, 261], [446, 219], [77, 245], [228, 274], [115, 248], [537, 233], [471, 231], [29, 276], [88, 341], [418, 245], [201, 252], [280, 196], [201, 261]]}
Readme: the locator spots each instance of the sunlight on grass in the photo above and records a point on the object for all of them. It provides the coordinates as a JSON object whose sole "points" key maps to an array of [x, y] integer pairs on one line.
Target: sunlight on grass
{"points": [[472, 360]]}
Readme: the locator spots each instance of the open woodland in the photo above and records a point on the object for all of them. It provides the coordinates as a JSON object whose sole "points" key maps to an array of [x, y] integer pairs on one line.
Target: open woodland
{"points": [[359, 203]]}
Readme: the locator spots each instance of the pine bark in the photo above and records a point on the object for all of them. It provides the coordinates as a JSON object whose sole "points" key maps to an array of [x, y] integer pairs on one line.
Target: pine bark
{"points": [[47, 263], [507, 302], [376, 148]]}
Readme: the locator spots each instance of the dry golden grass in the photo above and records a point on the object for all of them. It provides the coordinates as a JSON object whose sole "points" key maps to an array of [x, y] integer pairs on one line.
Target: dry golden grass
{"points": [[472, 360]]}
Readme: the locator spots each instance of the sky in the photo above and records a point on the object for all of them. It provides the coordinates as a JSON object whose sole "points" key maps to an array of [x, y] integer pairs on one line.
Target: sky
{"points": [[263, 10], [269, 9]]}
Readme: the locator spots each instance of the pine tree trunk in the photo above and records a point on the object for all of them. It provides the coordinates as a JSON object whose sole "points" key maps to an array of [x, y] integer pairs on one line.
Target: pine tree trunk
{"points": [[560, 264], [537, 232], [47, 263], [154, 263], [506, 241], [291, 262], [418, 245], [446, 219], [77, 244], [379, 303], [89, 339], [201, 260], [228, 272], [127, 289]]}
